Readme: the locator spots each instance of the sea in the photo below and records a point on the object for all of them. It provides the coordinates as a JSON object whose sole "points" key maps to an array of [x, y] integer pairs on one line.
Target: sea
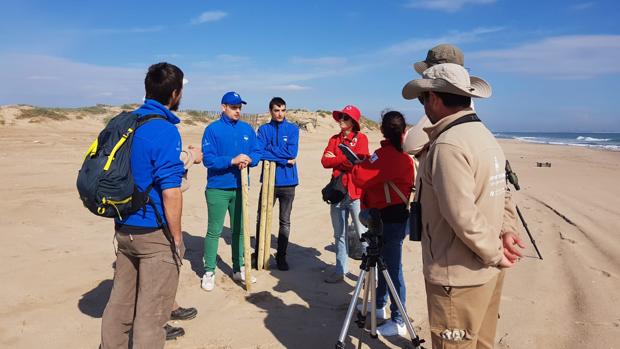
{"points": [[607, 141]]}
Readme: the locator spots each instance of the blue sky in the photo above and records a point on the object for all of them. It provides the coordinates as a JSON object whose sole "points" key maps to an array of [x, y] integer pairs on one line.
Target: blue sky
{"points": [[554, 65]]}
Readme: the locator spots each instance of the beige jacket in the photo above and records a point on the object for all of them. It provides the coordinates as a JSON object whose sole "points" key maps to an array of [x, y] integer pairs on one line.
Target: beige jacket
{"points": [[465, 205]]}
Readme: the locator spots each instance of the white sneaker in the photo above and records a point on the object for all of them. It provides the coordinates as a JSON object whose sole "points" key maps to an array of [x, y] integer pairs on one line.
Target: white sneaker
{"points": [[391, 328], [240, 276], [381, 315], [208, 281]]}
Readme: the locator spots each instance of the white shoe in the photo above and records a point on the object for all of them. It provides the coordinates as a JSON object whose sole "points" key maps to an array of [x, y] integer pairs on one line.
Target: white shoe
{"points": [[240, 276], [381, 315], [208, 281], [391, 328]]}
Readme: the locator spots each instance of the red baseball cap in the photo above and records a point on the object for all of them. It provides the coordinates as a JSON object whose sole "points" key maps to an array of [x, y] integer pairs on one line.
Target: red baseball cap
{"points": [[349, 110]]}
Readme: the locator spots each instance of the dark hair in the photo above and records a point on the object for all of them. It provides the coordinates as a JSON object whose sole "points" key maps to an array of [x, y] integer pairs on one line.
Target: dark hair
{"points": [[393, 127], [452, 100], [161, 80], [276, 101]]}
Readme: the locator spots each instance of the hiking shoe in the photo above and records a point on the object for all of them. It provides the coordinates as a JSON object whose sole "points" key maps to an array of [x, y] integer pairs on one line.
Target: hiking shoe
{"points": [[208, 281], [173, 332], [183, 313], [281, 262], [381, 313], [392, 328], [334, 278], [239, 276]]}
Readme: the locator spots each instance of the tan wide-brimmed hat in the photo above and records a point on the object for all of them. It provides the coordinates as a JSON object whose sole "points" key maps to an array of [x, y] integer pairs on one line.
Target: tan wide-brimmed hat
{"points": [[416, 138], [448, 78], [443, 53]]}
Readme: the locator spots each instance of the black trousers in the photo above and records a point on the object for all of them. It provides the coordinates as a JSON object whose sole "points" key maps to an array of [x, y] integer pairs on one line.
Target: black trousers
{"points": [[285, 195]]}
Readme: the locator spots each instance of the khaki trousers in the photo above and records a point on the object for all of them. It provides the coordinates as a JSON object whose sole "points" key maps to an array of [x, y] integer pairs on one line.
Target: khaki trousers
{"points": [[472, 311], [145, 284]]}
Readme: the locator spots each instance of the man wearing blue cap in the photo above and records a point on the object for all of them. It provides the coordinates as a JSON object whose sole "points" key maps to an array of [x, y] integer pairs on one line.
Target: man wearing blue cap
{"points": [[229, 146]]}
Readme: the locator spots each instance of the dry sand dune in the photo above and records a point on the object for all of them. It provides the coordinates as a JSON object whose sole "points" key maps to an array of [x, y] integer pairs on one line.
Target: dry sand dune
{"points": [[58, 258]]}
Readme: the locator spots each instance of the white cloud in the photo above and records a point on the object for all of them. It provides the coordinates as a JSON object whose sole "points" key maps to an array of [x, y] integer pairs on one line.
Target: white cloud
{"points": [[416, 45], [288, 88], [209, 16], [227, 58], [560, 57], [73, 83], [319, 61], [446, 5], [582, 6]]}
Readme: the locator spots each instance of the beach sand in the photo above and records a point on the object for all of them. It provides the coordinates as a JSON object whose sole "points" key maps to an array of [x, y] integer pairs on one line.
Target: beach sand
{"points": [[57, 257]]}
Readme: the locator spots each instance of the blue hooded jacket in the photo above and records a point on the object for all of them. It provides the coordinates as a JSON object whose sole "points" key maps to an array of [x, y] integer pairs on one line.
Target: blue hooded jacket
{"points": [[280, 143], [155, 158], [221, 142]]}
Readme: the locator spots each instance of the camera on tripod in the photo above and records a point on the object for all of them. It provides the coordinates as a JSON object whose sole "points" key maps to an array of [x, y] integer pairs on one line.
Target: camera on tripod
{"points": [[371, 219]]}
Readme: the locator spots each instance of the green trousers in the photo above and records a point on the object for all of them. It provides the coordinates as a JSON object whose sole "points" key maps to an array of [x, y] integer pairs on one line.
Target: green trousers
{"points": [[218, 202]]}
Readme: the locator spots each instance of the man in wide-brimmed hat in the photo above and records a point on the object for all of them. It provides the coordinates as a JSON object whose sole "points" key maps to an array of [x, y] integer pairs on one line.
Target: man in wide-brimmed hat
{"points": [[462, 192]]}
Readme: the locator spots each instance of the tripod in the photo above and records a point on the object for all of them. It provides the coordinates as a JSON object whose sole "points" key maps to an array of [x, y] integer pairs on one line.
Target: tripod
{"points": [[512, 178], [371, 260]]}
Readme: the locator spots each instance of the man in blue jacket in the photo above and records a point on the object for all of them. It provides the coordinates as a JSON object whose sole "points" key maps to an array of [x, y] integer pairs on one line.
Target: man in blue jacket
{"points": [[146, 274], [229, 146], [279, 140]]}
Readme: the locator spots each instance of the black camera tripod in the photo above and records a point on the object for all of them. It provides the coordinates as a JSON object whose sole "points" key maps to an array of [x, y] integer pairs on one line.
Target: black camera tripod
{"points": [[512, 178], [371, 260]]}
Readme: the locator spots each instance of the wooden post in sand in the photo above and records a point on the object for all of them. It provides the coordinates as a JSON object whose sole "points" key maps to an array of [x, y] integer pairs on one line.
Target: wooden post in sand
{"points": [[246, 228], [269, 213], [263, 212]]}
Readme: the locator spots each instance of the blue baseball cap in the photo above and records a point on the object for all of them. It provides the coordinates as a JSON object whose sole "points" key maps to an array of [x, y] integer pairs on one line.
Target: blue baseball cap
{"points": [[232, 98]]}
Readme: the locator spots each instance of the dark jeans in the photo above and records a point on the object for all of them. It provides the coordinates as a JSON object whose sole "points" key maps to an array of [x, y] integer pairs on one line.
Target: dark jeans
{"points": [[285, 195], [393, 236]]}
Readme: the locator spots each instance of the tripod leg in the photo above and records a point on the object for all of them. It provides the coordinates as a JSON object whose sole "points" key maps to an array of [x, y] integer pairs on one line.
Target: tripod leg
{"points": [[414, 337], [528, 232], [347, 320], [373, 302]]}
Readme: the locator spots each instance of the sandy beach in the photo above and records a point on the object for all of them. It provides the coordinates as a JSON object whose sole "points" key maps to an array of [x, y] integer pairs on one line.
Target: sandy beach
{"points": [[57, 257]]}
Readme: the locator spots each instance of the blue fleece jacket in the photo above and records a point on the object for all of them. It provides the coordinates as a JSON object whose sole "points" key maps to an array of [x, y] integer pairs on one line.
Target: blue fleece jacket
{"points": [[155, 158], [280, 142], [221, 142]]}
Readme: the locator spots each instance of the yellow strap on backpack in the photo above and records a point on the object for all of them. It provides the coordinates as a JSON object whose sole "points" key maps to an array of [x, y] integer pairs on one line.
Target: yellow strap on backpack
{"points": [[92, 149], [118, 145]]}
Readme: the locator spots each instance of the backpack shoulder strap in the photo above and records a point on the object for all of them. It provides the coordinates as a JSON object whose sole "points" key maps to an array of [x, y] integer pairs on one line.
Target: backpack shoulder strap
{"points": [[143, 120], [386, 190]]}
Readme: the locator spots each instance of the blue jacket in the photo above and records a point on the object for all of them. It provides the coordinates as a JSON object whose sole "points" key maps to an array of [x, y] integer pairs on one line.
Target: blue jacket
{"points": [[155, 158], [222, 141], [280, 143]]}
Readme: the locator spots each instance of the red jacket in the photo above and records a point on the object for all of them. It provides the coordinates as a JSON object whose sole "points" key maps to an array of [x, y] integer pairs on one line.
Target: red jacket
{"points": [[386, 164], [358, 142]]}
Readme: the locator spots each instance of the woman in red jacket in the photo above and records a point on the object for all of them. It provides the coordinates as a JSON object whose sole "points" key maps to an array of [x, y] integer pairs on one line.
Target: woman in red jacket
{"points": [[349, 121], [386, 180]]}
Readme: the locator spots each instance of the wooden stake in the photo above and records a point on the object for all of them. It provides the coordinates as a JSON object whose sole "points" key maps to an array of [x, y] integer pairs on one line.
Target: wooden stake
{"points": [[260, 240], [246, 228], [272, 180]]}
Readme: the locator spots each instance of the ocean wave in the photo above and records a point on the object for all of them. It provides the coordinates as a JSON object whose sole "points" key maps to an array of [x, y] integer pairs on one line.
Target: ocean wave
{"points": [[539, 140], [592, 139]]}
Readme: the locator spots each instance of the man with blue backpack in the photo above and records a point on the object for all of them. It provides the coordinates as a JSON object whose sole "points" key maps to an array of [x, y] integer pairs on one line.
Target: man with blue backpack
{"points": [[279, 140], [150, 242]]}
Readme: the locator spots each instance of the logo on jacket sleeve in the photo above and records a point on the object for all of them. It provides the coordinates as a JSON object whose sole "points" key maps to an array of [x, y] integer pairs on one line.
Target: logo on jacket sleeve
{"points": [[285, 138], [374, 157], [246, 138]]}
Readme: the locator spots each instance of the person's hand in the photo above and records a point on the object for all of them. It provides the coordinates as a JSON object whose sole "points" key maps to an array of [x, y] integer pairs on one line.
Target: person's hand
{"points": [[240, 159], [291, 162], [511, 252], [329, 154], [196, 154], [505, 262]]}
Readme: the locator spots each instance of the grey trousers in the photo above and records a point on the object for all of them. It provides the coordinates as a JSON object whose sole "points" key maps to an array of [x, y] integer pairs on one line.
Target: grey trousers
{"points": [[286, 195], [145, 285]]}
